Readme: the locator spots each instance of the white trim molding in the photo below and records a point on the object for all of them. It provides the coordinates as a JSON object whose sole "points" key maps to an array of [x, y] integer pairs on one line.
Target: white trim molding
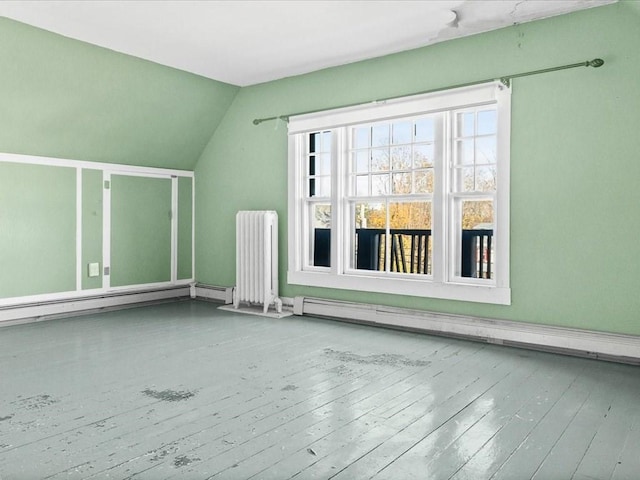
{"points": [[583, 343], [337, 187], [569, 341], [112, 167], [108, 171], [64, 307]]}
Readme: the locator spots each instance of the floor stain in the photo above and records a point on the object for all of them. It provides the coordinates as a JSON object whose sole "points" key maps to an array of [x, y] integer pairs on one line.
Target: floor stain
{"points": [[161, 453], [8, 417], [183, 461], [287, 388], [342, 370], [37, 402], [169, 395], [380, 359]]}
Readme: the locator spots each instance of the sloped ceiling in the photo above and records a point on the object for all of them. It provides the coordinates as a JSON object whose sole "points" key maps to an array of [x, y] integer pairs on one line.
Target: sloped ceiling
{"points": [[247, 42]]}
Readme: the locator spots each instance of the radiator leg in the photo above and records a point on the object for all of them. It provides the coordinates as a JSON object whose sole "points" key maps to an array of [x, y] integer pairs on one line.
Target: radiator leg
{"points": [[236, 299], [278, 304]]}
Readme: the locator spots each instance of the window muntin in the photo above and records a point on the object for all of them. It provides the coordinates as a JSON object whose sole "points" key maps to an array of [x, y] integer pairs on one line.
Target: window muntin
{"points": [[390, 160], [318, 186], [450, 161], [474, 174]]}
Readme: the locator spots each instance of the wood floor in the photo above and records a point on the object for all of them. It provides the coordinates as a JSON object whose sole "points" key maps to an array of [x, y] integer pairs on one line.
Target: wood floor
{"points": [[183, 390]]}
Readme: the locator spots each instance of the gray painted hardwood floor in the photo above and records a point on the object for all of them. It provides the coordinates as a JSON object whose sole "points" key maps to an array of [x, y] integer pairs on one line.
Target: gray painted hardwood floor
{"points": [[183, 390]]}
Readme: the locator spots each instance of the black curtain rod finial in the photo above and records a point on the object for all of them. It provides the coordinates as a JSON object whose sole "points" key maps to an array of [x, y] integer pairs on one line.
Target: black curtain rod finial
{"points": [[596, 62]]}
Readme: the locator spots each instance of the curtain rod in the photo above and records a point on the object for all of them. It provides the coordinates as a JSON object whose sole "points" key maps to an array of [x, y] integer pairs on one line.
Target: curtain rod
{"points": [[506, 80]]}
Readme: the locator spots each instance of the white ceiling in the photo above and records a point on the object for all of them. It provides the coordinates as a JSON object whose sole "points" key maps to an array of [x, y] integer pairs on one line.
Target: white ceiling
{"points": [[248, 42]]}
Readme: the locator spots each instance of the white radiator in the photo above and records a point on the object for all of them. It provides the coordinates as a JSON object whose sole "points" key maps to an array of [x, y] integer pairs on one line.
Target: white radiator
{"points": [[257, 259]]}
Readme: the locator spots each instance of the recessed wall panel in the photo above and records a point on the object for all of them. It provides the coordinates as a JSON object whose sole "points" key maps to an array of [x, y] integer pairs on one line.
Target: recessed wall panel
{"points": [[185, 227], [140, 230], [37, 229], [91, 226]]}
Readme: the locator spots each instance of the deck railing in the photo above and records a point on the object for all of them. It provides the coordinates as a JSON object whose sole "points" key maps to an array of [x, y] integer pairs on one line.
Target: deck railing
{"points": [[410, 250]]}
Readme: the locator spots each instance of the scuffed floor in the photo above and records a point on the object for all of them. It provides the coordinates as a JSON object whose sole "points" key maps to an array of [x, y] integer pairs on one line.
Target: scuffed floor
{"points": [[184, 390]]}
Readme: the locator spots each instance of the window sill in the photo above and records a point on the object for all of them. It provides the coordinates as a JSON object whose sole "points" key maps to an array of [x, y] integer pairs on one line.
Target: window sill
{"points": [[404, 286]]}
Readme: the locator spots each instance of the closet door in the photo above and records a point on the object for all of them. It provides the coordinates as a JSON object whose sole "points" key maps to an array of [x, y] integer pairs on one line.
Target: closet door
{"points": [[140, 230]]}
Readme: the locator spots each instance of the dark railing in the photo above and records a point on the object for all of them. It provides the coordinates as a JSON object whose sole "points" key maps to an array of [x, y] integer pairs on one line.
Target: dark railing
{"points": [[409, 250]]}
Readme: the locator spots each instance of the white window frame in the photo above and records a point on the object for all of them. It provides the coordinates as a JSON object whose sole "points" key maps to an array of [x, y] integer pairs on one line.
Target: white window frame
{"points": [[443, 284]]}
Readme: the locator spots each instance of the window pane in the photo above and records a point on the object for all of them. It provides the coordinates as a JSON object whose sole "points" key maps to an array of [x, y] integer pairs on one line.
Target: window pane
{"points": [[401, 133], [320, 248], [464, 152], [486, 150], [380, 160], [464, 180], [486, 179], [424, 181], [487, 122], [401, 158], [422, 156], [322, 165], [361, 137], [401, 183], [369, 236], [362, 185], [477, 246], [380, 135], [326, 141], [380, 184], [322, 187], [314, 142], [312, 165], [361, 161], [411, 246], [424, 130]]}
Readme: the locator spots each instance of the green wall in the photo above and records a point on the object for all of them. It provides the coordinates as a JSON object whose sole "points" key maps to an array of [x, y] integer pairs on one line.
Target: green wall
{"points": [[185, 228], [574, 164], [92, 210], [140, 230], [63, 98], [37, 229]]}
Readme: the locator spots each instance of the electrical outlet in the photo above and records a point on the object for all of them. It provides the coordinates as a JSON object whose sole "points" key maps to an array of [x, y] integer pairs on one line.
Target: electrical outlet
{"points": [[94, 269]]}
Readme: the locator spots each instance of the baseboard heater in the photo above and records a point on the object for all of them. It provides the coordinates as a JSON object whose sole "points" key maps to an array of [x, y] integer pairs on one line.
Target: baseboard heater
{"points": [[210, 292], [584, 343], [46, 310]]}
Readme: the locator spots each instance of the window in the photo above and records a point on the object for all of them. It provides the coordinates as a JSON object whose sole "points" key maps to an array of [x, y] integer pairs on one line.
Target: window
{"points": [[409, 196]]}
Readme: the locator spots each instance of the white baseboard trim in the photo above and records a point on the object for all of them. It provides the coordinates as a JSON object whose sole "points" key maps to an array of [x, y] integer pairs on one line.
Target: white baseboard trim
{"points": [[33, 312], [584, 343]]}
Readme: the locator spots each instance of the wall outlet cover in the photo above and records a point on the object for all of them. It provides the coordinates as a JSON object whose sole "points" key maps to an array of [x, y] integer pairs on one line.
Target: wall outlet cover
{"points": [[94, 269]]}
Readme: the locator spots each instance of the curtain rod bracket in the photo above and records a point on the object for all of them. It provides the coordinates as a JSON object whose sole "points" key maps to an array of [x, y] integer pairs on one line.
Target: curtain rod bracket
{"points": [[284, 118], [505, 81]]}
